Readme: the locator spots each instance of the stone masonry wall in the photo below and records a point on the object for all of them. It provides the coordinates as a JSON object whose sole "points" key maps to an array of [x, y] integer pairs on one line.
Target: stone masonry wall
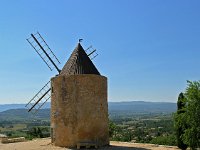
{"points": [[79, 110]]}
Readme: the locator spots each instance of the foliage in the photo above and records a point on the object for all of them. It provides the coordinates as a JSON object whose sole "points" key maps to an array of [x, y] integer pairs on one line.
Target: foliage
{"points": [[17, 134], [192, 132], [141, 128], [39, 132], [187, 118], [117, 133], [164, 140], [180, 122], [112, 128]]}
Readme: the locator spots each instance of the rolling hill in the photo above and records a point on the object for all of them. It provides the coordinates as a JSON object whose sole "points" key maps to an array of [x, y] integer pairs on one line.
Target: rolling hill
{"points": [[18, 111]]}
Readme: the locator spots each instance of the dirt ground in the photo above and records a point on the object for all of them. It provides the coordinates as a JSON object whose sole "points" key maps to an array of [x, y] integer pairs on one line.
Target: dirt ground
{"points": [[44, 144]]}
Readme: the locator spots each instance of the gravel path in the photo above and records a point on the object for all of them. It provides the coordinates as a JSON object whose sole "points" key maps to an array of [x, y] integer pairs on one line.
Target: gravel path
{"points": [[44, 144]]}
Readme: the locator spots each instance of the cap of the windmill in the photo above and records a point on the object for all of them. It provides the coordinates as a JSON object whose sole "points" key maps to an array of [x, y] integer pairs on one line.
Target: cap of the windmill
{"points": [[79, 63]]}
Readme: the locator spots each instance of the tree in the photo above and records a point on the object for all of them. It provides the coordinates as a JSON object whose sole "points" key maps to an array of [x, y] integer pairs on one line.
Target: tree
{"points": [[187, 118], [180, 123], [39, 132], [181, 103], [112, 128], [164, 140], [36, 132], [192, 132]]}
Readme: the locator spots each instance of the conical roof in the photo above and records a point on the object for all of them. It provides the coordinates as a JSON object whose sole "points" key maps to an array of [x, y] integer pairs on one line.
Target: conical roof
{"points": [[79, 63]]}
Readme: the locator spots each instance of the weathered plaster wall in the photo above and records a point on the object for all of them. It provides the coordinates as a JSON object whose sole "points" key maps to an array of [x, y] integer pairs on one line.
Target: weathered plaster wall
{"points": [[79, 110]]}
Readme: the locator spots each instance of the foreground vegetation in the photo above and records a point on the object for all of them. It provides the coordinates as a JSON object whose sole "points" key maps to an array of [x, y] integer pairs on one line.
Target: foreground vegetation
{"points": [[187, 117], [27, 129], [144, 128]]}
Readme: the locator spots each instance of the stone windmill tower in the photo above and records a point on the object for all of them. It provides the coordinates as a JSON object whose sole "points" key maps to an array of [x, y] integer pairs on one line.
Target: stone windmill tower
{"points": [[79, 108]]}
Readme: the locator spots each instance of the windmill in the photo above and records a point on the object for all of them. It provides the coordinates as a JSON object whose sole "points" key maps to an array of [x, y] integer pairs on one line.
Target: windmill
{"points": [[43, 50]]}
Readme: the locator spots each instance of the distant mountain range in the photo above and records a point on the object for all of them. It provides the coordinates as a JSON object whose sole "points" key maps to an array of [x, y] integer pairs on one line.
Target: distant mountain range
{"points": [[142, 107], [135, 106], [115, 108], [23, 115], [4, 107], [131, 106]]}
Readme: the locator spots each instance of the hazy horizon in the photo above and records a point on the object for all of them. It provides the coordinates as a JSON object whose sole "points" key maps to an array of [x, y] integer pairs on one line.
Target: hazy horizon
{"points": [[108, 101]]}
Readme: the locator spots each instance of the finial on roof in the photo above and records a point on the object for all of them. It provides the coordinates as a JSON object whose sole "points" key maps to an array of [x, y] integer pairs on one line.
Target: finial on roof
{"points": [[80, 40]]}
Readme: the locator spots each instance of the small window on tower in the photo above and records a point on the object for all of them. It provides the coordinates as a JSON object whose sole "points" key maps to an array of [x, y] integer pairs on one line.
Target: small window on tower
{"points": [[52, 89]]}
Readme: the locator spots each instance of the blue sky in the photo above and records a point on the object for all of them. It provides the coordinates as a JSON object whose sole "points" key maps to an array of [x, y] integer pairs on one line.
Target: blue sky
{"points": [[147, 48]]}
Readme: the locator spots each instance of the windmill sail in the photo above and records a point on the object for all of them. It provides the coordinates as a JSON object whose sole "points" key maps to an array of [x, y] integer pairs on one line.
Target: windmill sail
{"points": [[44, 51], [91, 52], [40, 98], [73, 66]]}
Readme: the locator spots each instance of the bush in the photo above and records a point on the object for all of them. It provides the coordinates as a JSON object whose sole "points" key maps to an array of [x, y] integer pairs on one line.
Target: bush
{"points": [[39, 132], [164, 140]]}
